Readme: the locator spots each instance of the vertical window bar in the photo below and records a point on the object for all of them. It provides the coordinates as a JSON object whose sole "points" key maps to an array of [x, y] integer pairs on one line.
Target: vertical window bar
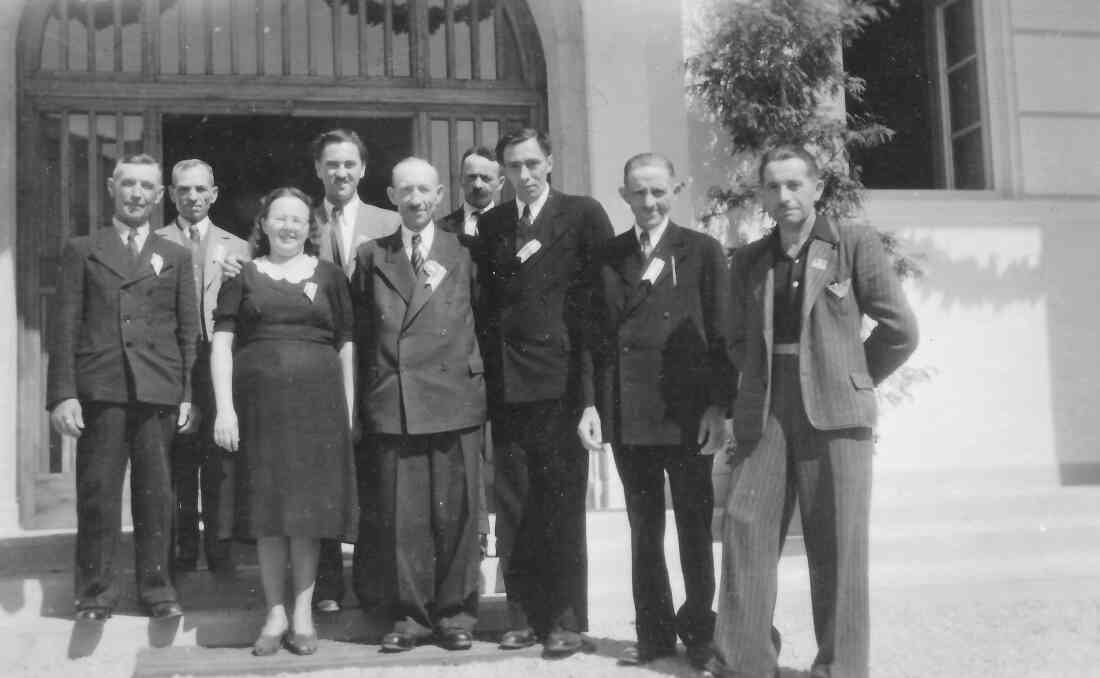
{"points": [[208, 40], [64, 16], [418, 40], [260, 66], [475, 40], [309, 40], [285, 27], [945, 101], [120, 136], [66, 174], [118, 34], [94, 186], [153, 145], [181, 30], [477, 130], [361, 24], [500, 25], [452, 161], [150, 37], [337, 52], [450, 41], [234, 58], [89, 27], [387, 15]]}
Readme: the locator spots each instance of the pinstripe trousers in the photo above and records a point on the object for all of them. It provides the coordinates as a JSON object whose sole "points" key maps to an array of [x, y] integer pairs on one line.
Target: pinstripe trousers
{"points": [[829, 474]]}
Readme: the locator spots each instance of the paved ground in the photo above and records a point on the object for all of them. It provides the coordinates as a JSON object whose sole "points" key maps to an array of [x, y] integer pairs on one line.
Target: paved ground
{"points": [[995, 584]]}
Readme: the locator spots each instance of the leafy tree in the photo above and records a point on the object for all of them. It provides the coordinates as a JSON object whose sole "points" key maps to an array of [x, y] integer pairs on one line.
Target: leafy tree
{"points": [[769, 72]]}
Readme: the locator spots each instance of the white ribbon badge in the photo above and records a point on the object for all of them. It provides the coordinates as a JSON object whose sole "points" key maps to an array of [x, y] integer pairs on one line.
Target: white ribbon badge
{"points": [[157, 263], [528, 250], [435, 272], [653, 270]]}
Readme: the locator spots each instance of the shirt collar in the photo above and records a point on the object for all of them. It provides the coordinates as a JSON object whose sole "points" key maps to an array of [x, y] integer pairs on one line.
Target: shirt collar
{"points": [[654, 235], [427, 235], [468, 209], [819, 231], [124, 229], [204, 226], [351, 210], [536, 206]]}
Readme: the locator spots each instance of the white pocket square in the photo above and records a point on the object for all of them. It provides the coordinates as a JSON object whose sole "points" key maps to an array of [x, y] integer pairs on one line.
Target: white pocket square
{"points": [[840, 289], [157, 263]]}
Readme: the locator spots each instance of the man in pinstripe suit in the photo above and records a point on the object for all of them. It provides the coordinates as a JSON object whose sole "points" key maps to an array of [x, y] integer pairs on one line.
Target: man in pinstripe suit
{"points": [[802, 420]]}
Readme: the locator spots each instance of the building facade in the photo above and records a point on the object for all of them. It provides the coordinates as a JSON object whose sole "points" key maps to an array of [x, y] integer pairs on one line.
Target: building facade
{"points": [[1007, 221]]}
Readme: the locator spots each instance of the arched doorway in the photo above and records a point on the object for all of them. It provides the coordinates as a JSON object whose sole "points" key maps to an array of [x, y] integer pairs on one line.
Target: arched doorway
{"points": [[244, 84]]}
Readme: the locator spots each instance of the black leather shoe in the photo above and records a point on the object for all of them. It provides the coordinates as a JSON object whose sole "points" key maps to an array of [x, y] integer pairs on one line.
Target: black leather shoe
{"points": [[699, 655], [301, 643], [455, 639], [561, 644], [518, 639], [636, 655], [327, 606], [398, 642], [165, 610], [93, 614]]}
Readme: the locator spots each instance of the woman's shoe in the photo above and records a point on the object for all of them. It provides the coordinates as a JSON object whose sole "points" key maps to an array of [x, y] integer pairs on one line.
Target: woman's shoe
{"points": [[267, 645], [301, 643]]}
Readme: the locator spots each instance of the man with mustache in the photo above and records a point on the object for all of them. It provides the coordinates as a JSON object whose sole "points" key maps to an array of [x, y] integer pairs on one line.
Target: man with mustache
{"points": [[423, 406], [120, 382], [197, 463]]}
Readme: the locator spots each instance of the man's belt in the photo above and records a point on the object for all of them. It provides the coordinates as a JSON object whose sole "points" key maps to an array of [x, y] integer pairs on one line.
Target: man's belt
{"points": [[785, 349]]}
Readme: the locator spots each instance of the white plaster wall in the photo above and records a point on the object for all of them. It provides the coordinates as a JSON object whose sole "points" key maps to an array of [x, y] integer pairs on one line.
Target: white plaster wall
{"points": [[1059, 155], [10, 11], [634, 93], [1082, 15], [1010, 319]]}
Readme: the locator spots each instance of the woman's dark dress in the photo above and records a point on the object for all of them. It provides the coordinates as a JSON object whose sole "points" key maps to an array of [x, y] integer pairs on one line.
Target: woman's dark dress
{"points": [[295, 470]]}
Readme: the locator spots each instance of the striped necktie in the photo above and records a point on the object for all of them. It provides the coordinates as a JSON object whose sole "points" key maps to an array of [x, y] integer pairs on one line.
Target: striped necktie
{"points": [[132, 244], [416, 257], [336, 234], [643, 242]]}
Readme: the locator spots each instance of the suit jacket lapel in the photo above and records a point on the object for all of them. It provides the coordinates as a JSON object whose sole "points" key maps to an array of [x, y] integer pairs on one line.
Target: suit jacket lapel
{"points": [[395, 267], [548, 229], [763, 286], [144, 267], [112, 253], [215, 237], [445, 253], [819, 261]]}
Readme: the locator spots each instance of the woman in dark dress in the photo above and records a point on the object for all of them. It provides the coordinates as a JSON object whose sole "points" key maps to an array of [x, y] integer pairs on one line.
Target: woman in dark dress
{"points": [[282, 362]]}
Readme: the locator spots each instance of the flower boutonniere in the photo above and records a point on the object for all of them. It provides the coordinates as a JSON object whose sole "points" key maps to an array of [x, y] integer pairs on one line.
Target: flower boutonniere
{"points": [[311, 290], [157, 263], [435, 272]]}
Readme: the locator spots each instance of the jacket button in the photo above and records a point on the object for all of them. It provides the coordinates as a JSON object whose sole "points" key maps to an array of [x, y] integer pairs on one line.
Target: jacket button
{"points": [[443, 368], [129, 344], [666, 315], [443, 332], [626, 349]]}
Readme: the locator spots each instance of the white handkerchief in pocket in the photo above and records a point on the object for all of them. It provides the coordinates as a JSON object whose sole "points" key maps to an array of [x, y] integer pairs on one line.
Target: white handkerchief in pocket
{"points": [[435, 272], [653, 270], [157, 263], [528, 250], [840, 289]]}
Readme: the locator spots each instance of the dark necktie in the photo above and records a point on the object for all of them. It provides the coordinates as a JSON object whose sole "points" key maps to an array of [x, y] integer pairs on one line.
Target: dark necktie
{"points": [[195, 245], [132, 243], [643, 241], [474, 218], [526, 228], [336, 233], [416, 257]]}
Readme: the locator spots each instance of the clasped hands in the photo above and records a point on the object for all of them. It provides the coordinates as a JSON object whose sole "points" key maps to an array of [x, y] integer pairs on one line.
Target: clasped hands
{"points": [[715, 431]]}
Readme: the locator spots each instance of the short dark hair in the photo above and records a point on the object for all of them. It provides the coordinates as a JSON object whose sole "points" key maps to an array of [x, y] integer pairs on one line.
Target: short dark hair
{"points": [[789, 152], [480, 151], [518, 136], [137, 159], [648, 160], [261, 246], [337, 136]]}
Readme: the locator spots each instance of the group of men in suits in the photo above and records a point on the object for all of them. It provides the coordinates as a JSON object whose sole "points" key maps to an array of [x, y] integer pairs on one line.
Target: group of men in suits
{"points": [[533, 316]]}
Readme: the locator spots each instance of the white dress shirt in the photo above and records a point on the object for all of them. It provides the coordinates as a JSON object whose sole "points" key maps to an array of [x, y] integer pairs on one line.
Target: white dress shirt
{"points": [[536, 206], [654, 235], [469, 221], [123, 231], [427, 235]]}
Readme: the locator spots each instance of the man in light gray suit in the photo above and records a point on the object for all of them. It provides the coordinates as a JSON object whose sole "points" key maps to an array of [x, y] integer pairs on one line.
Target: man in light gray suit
{"points": [[803, 419], [196, 461], [346, 222]]}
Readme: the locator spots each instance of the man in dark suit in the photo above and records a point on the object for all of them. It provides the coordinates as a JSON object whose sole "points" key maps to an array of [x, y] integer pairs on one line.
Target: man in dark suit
{"points": [[120, 381], [803, 419], [423, 403], [196, 460], [657, 385], [481, 181], [539, 276]]}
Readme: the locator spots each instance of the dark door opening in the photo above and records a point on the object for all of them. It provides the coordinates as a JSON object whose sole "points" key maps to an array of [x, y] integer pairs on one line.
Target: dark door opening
{"points": [[253, 154]]}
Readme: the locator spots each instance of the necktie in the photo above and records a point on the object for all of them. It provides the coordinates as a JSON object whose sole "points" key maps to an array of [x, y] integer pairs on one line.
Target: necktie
{"points": [[416, 257], [196, 236], [336, 233], [132, 243], [195, 244], [526, 230], [643, 241], [471, 223]]}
